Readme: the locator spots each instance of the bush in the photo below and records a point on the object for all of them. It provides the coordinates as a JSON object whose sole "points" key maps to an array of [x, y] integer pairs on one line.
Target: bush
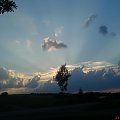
{"points": [[4, 94]]}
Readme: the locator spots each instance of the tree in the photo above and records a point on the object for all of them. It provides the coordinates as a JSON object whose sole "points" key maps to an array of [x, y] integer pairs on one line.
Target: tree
{"points": [[80, 91], [7, 6], [62, 78]]}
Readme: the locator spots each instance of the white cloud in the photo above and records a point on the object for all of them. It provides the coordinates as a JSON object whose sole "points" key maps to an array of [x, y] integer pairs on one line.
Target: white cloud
{"points": [[52, 45], [13, 79]]}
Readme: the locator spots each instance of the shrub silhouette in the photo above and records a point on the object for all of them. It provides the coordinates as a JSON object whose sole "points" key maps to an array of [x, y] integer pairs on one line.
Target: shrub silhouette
{"points": [[4, 94]]}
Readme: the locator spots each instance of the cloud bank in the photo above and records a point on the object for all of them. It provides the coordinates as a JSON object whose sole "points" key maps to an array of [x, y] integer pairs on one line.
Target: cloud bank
{"points": [[52, 45], [104, 79], [94, 76], [12, 79]]}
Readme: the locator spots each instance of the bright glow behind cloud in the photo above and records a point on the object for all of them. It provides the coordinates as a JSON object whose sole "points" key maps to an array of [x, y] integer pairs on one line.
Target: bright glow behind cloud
{"points": [[52, 45]]}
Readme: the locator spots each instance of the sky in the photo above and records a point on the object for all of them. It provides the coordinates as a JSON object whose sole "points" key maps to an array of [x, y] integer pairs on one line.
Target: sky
{"points": [[42, 34]]}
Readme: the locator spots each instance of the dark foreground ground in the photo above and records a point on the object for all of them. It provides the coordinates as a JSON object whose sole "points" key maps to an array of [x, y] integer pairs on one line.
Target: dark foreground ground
{"points": [[88, 106]]}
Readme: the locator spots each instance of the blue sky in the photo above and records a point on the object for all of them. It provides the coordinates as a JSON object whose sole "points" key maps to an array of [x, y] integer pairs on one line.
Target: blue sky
{"points": [[47, 33]]}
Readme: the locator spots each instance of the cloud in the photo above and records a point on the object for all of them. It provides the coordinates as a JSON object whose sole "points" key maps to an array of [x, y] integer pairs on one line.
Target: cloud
{"points": [[17, 42], [58, 31], [90, 19], [10, 79], [28, 43], [52, 45], [13, 79], [48, 87], [25, 43], [94, 80], [113, 34], [103, 29], [4, 74], [33, 83]]}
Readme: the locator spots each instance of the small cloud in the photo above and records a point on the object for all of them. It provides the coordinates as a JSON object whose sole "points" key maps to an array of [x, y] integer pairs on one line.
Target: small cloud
{"points": [[17, 42], [103, 30], [28, 43], [52, 45], [58, 31], [90, 19], [113, 34], [47, 22]]}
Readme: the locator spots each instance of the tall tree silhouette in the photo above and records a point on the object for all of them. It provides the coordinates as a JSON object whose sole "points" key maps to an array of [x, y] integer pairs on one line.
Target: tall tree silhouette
{"points": [[62, 78], [7, 6]]}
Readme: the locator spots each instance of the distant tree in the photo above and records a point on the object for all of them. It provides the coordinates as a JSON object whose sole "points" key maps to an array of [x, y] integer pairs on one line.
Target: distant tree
{"points": [[7, 6], [62, 78], [80, 91], [4, 94]]}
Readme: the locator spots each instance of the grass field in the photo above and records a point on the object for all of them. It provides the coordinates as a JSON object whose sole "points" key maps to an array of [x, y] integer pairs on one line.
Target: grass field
{"points": [[87, 106]]}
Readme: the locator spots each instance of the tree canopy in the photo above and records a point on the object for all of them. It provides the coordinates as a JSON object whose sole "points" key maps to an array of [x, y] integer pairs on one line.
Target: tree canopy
{"points": [[7, 6], [62, 78]]}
